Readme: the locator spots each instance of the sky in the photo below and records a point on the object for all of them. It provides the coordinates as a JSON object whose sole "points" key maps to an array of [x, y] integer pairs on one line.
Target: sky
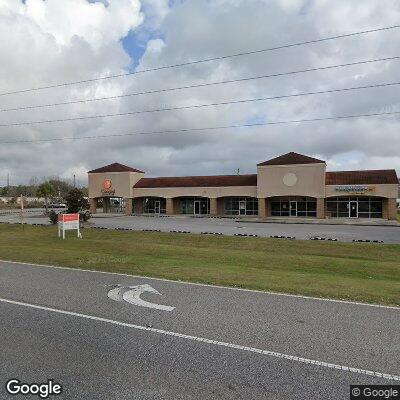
{"points": [[47, 42]]}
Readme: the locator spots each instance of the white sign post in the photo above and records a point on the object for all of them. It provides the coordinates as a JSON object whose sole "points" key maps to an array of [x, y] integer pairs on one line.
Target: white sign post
{"points": [[68, 222]]}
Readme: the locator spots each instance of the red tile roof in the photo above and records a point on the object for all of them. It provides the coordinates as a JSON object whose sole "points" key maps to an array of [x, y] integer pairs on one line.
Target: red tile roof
{"points": [[198, 181], [114, 167], [292, 158], [370, 177]]}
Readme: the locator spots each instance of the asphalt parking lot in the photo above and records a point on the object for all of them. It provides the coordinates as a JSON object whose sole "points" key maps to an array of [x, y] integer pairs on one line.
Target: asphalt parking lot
{"points": [[227, 226], [101, 335]]}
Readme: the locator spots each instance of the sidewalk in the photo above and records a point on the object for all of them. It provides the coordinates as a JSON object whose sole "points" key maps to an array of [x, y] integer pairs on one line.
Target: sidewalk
{"points": [[333, 221]]}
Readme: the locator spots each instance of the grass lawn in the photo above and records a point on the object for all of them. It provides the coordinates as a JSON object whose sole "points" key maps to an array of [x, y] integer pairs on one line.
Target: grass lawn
{"points": [[356, 271]]}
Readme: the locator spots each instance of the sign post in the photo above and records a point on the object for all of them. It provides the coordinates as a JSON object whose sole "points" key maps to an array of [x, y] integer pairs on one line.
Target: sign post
{"points": [[21, 212], [68, 222]]}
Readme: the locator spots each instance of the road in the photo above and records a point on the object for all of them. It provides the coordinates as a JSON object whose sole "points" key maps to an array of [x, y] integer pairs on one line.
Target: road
{"points": [[228, 226], [217, 343]]}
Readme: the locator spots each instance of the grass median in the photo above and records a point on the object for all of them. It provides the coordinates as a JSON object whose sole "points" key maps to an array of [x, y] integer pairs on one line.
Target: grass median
{"points": [[351, 271]]}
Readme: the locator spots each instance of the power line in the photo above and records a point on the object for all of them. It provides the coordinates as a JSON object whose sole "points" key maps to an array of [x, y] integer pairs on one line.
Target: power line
{"points": [[195, 106], [285, 46], [203, 84], [339, 117], [212, 104]]}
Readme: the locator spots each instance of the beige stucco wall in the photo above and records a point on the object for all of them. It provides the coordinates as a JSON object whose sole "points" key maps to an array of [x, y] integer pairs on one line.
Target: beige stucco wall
{"points": [[310, 180], [211, 192], [122, 183], [388, 191]]}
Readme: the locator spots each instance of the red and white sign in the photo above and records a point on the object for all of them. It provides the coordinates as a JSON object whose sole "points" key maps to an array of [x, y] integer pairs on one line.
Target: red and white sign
{"points": [[68, 222]]}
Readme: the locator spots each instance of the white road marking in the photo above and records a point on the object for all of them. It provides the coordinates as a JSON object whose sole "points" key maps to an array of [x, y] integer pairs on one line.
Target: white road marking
{"points": [[210, 341], [131, 294], [207, 285]]}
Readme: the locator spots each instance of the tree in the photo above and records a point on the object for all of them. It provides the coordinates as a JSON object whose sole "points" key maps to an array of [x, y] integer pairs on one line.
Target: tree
{"points": [[61, 187], [45, 190], [76, 201]]}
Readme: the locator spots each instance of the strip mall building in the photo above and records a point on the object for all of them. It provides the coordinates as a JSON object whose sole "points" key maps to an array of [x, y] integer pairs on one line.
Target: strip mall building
{"points": [[291, 185]]}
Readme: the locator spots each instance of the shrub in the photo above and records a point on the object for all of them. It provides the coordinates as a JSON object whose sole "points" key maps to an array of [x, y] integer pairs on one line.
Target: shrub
{"points": [[53, 217], [76, 201], [84, 216]]}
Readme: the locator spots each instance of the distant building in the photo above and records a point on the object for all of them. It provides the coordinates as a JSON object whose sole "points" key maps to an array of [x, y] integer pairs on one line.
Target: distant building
{"points": [[291, 185]]}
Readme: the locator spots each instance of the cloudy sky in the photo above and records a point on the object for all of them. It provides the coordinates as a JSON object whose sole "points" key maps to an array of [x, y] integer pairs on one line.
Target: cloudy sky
{"points": [[46, 42]]}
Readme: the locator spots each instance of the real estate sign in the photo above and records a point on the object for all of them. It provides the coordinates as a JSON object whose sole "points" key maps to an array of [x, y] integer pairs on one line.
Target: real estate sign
{"points": [[68, 222]]}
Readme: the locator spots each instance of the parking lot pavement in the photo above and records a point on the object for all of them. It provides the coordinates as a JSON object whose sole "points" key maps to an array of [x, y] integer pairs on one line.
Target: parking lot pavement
{"points": [[228, 226], [102, 336]]}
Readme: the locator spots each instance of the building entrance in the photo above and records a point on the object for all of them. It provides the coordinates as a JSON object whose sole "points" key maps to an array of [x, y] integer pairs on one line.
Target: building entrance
{"points": [[293, 208], [197, 207], [157, 207], [242, 207], [353, 209]]}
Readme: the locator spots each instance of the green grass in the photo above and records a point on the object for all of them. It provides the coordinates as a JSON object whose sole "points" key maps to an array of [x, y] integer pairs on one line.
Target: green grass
{"points": [[361, 272]]}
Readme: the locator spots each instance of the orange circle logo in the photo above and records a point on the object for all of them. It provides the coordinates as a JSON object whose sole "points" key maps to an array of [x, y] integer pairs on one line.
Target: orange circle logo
{"points": [[107, 184]]}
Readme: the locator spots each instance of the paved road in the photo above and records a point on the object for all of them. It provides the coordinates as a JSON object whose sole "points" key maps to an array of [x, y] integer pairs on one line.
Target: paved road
{"points": [[59, 323], [388, 234]]}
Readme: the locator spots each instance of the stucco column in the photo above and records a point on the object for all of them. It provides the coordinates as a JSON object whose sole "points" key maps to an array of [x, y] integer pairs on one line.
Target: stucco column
{"points": [[261, 208], [220, 206], [213, 206], [106, 205], [138, 208], [392, 209], [320, 208], [169, 206], [93, 206], [385, 208], [177, 206], [128, 206], [268, 208]]}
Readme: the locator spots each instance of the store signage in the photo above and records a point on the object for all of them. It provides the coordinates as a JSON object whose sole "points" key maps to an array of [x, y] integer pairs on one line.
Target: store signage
{"points": [[354, 189], [68, 222], [107, 189]]}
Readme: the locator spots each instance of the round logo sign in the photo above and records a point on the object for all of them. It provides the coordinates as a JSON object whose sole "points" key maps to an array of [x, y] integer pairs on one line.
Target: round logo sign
{"points": [[107, 184], [290, 179]]}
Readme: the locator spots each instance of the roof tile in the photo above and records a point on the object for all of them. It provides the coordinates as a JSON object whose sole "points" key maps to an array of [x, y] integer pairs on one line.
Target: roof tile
{"points": [[198, 181], [385, 176], [114, 167], [292, 158]]}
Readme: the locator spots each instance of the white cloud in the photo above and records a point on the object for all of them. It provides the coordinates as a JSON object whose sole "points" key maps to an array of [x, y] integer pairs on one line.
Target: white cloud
{"points": [[96, 23]]}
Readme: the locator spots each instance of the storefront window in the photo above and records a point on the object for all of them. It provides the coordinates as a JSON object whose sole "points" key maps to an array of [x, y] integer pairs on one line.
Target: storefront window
{"points": [[195, 205], [362, 207], [240, 206], [294, 207], [154, 205]]}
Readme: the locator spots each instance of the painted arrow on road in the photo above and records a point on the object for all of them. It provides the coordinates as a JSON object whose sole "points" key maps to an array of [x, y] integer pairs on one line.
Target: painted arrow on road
{"points": [[131, 294]]}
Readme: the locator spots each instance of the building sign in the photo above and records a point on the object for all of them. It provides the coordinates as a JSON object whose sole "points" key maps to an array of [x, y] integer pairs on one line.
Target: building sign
{"points": [[107, 189], [68, 222], [355, 189]]}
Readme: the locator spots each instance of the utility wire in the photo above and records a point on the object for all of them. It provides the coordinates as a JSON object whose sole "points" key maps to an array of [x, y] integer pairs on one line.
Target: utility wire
{"points": [[203, 84], [211, 104], [293, 121], [285, 46]]}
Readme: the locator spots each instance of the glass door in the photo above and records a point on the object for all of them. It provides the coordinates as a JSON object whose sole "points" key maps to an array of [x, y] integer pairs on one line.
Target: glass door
{"points": [[157, 206], [353, 209], [293, 208], [242, 207], [197, 207]]}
